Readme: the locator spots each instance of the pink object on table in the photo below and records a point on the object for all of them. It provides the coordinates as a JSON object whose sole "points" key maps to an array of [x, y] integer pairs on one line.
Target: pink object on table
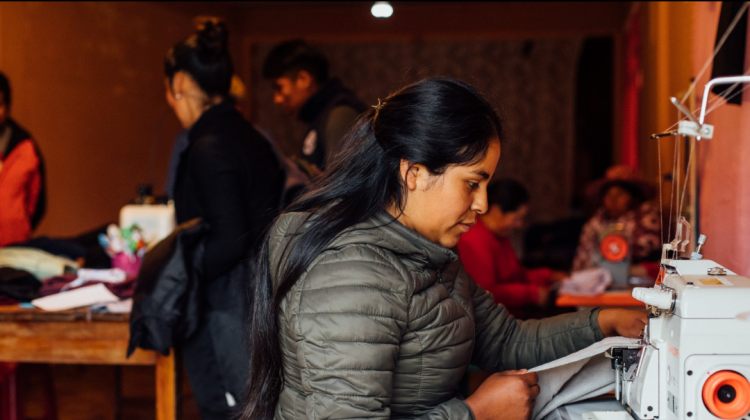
{"points": [[130, 264]]}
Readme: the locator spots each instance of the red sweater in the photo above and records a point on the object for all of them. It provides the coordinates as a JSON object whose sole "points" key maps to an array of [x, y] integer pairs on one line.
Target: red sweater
{"points": [[494, 266]]}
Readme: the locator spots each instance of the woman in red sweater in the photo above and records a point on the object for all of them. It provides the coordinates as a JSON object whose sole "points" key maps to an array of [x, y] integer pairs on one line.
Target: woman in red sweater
{"points": [[489, 258]]}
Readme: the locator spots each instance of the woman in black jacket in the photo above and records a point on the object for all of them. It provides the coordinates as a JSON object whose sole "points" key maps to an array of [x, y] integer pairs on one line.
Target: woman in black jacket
{"points": [[230, 177]]}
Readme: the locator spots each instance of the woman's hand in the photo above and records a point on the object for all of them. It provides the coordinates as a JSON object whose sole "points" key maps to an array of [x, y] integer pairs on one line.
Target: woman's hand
{"points": [[622, 322], [508, 395]]}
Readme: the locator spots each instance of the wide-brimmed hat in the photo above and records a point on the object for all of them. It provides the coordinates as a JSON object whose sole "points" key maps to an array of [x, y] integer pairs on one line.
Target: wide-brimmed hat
{"points": [[624, 177]]}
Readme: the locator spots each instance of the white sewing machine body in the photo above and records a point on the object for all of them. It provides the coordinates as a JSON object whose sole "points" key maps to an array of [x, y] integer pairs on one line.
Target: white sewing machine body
{"points": [[693, 335]]}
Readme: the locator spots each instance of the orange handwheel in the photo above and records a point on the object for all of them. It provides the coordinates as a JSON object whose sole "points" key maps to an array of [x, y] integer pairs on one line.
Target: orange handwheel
{"points": [[614, 248], [727, 395]]}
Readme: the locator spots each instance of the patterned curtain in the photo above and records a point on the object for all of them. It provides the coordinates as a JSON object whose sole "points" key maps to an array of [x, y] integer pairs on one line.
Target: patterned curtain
{"points": [[531, 81]]}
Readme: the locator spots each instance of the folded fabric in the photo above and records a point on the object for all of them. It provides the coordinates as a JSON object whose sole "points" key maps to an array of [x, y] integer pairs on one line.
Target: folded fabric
{"points": [[85, 275], [56, 284], [84, 296], [584, 374], [589, 282], [6, 301], [39, 263], [575, 411], [18, 285]]}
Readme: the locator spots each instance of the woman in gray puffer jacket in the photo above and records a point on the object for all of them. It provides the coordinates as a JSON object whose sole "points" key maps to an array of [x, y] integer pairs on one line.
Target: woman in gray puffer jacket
{"points": [[362, 308]]}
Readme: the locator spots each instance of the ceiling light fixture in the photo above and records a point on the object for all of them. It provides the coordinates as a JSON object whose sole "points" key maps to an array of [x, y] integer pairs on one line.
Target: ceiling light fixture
{"points": [[381, 9]]}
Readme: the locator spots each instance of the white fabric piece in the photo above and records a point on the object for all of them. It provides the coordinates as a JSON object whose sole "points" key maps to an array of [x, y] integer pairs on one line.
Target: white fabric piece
{"points": [[576, 377], [84, 296], [85, 275], [575, 411], [113, 275], [591, 282], [121, 307]]}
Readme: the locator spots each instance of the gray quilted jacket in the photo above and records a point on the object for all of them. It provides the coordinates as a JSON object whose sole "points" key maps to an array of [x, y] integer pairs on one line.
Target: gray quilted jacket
{"points": [[384, 324]]}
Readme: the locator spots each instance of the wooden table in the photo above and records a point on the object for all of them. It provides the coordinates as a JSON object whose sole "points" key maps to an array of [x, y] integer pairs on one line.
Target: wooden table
{"points": [[82, 337], [619, 298]]}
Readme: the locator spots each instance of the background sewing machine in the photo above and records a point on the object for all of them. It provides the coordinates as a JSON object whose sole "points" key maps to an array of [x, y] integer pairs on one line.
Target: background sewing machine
{"points": [[694, 362], [157, 220], [613, 254]]}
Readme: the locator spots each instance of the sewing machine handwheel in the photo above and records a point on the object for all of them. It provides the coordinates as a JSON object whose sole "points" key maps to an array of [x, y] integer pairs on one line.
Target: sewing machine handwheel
{"points": [[727, 395], [614, 248]]}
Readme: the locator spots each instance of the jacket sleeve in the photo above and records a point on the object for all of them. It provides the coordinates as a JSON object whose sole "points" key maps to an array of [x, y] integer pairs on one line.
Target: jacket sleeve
{"points": [[505, 343], [351, 318], [219, 186]]}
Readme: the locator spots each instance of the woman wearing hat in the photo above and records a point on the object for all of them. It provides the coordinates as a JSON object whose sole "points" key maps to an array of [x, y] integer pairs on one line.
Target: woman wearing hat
{"points": [[623, 199]]}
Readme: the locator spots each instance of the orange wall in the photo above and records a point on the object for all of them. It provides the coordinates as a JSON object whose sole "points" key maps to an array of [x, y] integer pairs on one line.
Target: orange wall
{"points": [[87, 77], [87, 81], [667, 69]]}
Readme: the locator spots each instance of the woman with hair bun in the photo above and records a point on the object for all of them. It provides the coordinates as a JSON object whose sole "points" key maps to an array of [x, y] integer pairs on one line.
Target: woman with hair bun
{"points": [[229, 177], [362, 308]]}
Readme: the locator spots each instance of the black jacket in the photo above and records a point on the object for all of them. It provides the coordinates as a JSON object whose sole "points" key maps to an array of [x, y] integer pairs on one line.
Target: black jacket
{"points": [[330, 113], [167, 302], [231, 179]]}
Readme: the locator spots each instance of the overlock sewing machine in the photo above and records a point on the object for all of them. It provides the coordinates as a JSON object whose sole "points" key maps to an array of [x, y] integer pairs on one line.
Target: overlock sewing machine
{"points": [[694, 360]]}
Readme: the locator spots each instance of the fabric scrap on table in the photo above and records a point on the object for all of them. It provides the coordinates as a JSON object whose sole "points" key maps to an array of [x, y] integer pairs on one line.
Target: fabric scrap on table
{"points": [[56, 284], [18, 285], [83, 296], [86, 275], [39, 263], [6, 301], [590, 282]]}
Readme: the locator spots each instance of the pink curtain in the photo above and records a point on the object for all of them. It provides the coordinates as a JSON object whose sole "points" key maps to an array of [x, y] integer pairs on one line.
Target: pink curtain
{"points": [[723, 172]]}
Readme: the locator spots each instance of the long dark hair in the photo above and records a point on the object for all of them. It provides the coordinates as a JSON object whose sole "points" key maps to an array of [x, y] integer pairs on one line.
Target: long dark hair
{"points": [[205, 57], [435, 122]]}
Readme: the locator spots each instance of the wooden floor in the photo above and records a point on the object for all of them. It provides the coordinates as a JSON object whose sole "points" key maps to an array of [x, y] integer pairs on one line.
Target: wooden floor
{"points": [[90, 392]]}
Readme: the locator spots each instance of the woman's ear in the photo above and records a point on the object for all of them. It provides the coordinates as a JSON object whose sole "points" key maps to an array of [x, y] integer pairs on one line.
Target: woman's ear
{"points": [[413, 174], [184, 85], [408, 175], [178, 83]]}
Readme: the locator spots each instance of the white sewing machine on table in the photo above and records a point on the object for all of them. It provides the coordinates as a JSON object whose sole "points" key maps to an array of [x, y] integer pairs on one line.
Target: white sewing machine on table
{"points": [[694, 360], [694, 363]]}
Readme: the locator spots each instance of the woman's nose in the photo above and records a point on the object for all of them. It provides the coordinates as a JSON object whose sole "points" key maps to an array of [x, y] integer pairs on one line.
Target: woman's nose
{"points": [[480, 203]]}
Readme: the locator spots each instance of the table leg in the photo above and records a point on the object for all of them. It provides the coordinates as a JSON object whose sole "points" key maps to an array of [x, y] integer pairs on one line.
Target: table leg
{"points": [[166, 387]]}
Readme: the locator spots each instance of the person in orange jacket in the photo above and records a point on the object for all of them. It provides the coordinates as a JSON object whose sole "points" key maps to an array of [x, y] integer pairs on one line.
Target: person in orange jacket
{"points": [[22, 185]]}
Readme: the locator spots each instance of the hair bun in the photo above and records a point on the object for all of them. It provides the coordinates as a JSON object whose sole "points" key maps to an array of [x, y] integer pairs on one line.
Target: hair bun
{"points": [[212, 37]]}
